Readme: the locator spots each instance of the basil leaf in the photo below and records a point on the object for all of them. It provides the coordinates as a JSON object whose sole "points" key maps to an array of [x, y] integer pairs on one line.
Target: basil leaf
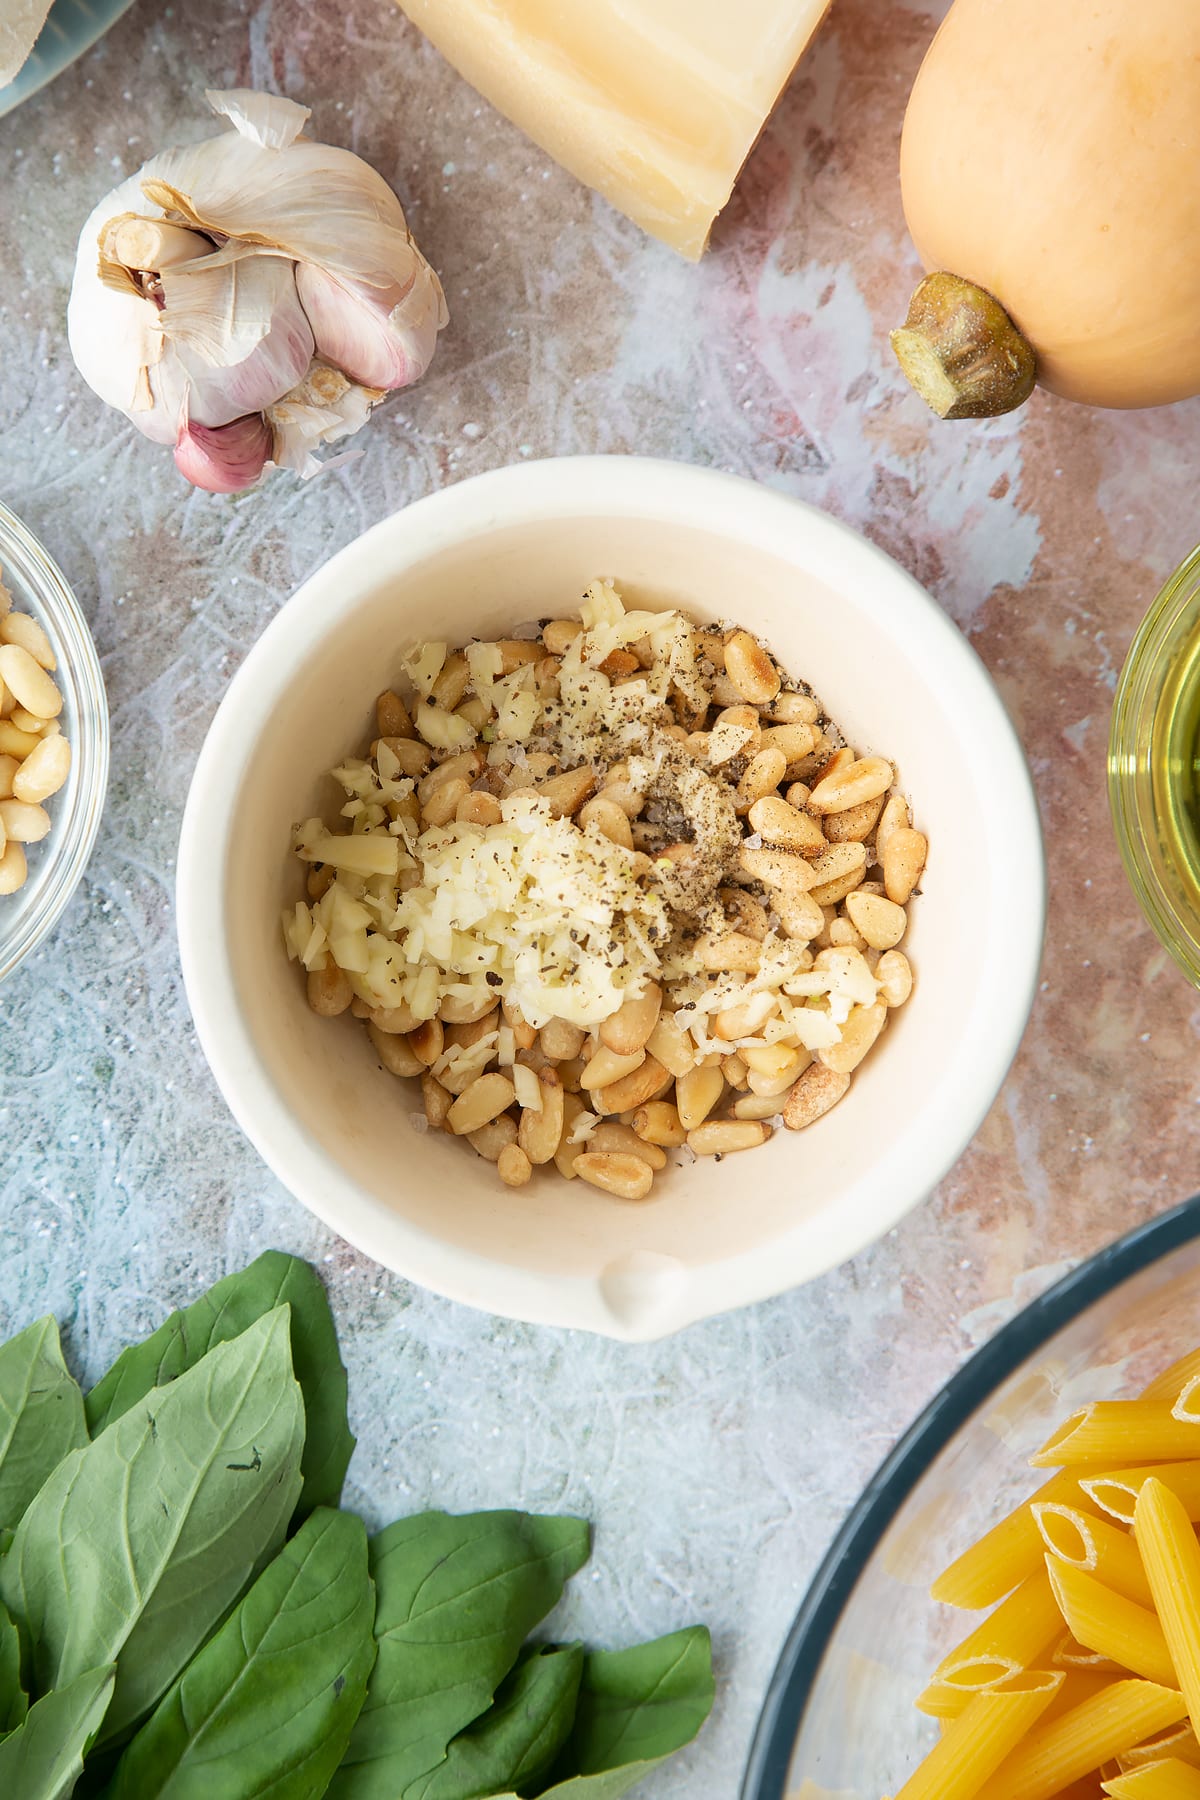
{"points": [[224, 1312], [14, 1702], [139, 1544], [41, 1415], [517, 1741], [636, 1708], [454, 1600], [268, 1704], [43, 1758]]}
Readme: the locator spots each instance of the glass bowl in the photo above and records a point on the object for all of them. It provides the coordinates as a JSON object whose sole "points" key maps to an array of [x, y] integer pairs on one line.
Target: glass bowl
{"points": [[1153, 766], [838, 1722], [37, 586]]}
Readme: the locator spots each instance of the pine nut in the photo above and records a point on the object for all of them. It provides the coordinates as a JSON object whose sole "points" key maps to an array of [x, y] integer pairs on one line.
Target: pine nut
{"points": [[797, 795], [540, 1132], [478, 809], [627, 1030], [795, 741], [763, 774], [895, 815], [608, 1065], [799, 915], [852, 784], [437, 1100], [412, 756], [768, 1059], [756, 1106], [731, 952], [23, 823], [568, 791], [451, 684], [737, 732], [903, 861], [559, 634], [696, 1093], [513, 1166], [856, 824], [43, 771], [493, 1139], [329, 991], [561, 1041], [632, 1091], [359, 1008], [625, 1177], [28, 721], [8, 769], [750, 669], [778, 869], [611, 1137], [486, 1098], [721, 1137], [18, 628], [545, 675], [881, 922], [569, 1073], [516, 651], [619, 662], [838, 760], [837, 872], [673, 1047], [858, 1035], [894, 975], [428, 1041], [723, 691], [710, 644], [773, 1086], [391, 716], [780, 823], [523, 1032], [744, 1020], [13, 868], [566, 1155], [735, 1072], [463, 1009], [818, 1090], [609, 819], [395, 1053], [442, 805], [658, 1123], [793, 709], [466, 766], [843, 936], [28, 682], [744, 913]]}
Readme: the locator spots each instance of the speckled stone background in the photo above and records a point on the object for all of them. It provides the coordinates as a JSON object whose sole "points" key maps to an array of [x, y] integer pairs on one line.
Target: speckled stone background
{"points": [[717, 1465]]}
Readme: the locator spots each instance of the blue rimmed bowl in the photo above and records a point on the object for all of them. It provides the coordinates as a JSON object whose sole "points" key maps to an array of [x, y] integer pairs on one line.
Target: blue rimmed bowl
{"points": [[838, 1721]]}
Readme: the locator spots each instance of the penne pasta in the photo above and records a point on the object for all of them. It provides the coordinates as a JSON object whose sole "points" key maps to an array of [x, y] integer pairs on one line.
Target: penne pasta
{"points": [[980, 1740], [1172, 1557], [1069, 1653], [1006, 1554], [1055, 1755], [1178, 1741], [1112, 1625], [1098, 1547], [1115, 1493], [1117, 1431], [1171, 1383], [1079, 1685], [946, 1700], [1019, 1631], [1168, 1779]]}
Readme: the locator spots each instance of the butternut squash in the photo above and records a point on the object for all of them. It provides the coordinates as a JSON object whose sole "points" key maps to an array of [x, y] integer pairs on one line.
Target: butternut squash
{"points": [[1050, 169]]}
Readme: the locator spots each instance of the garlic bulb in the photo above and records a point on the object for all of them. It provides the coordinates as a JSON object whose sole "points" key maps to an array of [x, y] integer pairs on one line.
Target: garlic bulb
{"points": [[251, 298]]}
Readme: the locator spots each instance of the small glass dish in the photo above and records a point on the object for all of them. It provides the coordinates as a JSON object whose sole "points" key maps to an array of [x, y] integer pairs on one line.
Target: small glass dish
{"points": [[37, 586], [1154, 766], [838, 1722]]}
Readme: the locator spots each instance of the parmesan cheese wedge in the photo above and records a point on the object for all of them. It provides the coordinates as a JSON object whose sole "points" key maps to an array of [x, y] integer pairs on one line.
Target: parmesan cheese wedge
{"points": [[20, 23], [654, 103]]}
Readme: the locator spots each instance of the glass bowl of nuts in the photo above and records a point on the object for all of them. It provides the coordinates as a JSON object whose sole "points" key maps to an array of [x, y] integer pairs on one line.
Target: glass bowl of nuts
{"points": [[53, 742], [610, 893]]}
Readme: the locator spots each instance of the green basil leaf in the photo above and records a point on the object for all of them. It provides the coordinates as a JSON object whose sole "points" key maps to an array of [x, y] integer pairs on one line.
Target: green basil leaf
{"points": [[43, 1758], [14, 1702], [267, 1706], [455, 1599], [139, 1544], [517, 1741], [636, 1708], [224, 1312], [41, 1415]]}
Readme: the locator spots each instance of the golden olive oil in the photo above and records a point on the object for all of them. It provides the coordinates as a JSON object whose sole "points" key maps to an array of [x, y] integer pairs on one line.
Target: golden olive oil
{"points": [[1175, 765]]}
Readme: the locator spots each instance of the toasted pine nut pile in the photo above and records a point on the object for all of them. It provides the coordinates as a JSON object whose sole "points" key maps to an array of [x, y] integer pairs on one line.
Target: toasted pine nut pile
{"points": [[603, 888], [35, 757]]}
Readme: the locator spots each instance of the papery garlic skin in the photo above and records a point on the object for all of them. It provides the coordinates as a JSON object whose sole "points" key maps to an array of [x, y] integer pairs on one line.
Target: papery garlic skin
{"points": [[227, 458], [281, 261]]}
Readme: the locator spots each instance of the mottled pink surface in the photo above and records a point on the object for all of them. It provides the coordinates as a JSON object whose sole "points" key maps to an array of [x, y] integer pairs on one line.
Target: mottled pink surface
{"points": [[717, 1465]]}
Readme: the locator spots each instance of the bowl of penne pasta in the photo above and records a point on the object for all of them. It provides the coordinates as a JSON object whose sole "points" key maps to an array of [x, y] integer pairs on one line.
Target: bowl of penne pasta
{"points": [[1012, 1609]]}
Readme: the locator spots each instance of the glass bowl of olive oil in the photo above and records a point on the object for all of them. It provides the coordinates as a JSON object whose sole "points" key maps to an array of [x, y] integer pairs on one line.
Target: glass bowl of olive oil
{"points": [[1154, 766]]}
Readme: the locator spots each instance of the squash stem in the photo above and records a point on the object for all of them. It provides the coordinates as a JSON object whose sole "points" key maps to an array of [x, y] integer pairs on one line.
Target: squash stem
{"points": [[961, 351]]}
